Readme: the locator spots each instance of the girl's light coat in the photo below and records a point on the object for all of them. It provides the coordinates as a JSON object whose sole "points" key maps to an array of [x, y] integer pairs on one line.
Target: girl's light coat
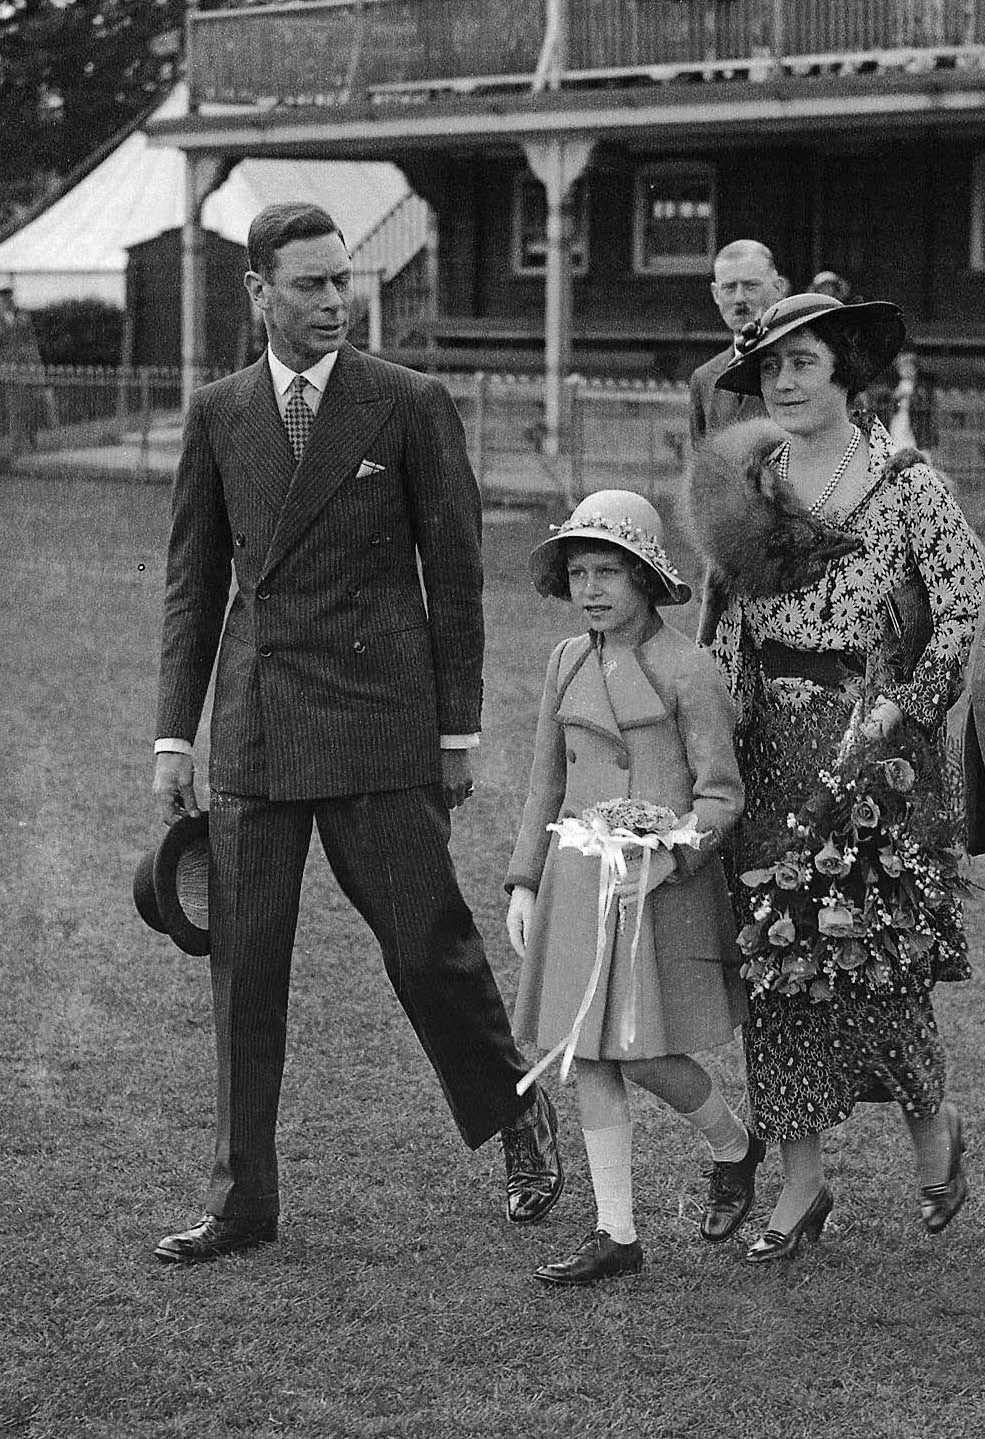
{"points": [[672, 746]]}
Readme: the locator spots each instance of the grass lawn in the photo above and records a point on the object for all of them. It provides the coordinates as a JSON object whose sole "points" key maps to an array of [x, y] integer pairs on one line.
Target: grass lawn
{"points": [[399, 1301]]}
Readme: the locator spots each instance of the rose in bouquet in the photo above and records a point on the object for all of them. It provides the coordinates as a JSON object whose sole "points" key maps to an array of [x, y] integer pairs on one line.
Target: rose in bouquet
{"points": [[609, 829], [851, 895]]}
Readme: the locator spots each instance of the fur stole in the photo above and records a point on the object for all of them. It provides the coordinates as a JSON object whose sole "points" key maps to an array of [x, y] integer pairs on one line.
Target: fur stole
{"points": [[755, 536]]}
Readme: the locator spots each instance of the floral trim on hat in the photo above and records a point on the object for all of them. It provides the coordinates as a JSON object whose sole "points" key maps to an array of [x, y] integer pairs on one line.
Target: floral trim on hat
{"points": [[624, 530]]}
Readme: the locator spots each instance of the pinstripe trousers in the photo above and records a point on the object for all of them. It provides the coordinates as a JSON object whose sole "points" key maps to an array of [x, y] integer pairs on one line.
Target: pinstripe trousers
{"points": [[389, 853]]}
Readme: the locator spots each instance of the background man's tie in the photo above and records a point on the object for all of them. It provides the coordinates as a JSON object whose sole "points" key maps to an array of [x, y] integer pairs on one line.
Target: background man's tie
{"points": [[297, 416]]}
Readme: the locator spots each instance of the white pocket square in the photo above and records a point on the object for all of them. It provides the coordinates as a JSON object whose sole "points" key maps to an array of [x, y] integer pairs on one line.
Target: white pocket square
{"points": [[369, 467]]}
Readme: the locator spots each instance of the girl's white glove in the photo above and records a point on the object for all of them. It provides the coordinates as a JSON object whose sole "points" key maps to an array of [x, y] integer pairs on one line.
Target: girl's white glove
{"points": [[519, 918]]}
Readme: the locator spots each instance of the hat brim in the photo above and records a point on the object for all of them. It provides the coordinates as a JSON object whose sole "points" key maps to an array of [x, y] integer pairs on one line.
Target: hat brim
{"points": [[880, 322], [144, 897], [177, 903], [549, 572]]}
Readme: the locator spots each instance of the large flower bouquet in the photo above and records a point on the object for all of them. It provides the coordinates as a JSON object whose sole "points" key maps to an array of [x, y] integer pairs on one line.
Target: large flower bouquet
{"points": [[609, 829], [854, 896]]}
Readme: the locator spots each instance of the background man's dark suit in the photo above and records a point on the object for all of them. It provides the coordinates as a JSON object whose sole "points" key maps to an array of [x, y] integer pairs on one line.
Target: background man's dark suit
{"points": [[333, 685], [712, 409]]}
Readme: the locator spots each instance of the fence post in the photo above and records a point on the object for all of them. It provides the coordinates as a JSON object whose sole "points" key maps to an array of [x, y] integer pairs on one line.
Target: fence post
{"points": [[145, 420], [481, 383]]}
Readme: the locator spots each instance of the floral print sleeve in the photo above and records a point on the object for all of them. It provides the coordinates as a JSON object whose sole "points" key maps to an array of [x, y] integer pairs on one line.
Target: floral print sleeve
{"points": [[949, 558]]}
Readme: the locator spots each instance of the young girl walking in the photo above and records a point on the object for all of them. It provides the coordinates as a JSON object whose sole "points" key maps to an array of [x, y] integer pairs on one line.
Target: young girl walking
{"points": [[631, 710]]}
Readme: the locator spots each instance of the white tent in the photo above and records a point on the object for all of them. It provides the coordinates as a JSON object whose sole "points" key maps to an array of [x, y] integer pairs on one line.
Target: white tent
{"points": [[76, 248]]}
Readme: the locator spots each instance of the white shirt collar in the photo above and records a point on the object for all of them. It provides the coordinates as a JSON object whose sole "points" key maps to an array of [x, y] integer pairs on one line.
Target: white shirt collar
{"points": [[316, 375]]}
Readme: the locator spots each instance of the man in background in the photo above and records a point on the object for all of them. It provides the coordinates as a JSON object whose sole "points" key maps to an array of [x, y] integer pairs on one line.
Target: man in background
{"points": [[746, 283]]}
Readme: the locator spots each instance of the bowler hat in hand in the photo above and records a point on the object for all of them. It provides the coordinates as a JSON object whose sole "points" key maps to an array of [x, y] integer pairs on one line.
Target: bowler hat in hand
{"points": [[171, 884]]}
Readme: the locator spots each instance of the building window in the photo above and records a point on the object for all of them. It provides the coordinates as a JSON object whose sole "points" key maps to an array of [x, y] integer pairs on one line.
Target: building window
{"points": [[530, 227], [674, 220]]}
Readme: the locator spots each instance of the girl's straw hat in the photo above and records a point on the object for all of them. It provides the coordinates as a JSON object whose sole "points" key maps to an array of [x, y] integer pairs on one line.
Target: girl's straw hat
{"points": [[613, 517], [878, 323]]}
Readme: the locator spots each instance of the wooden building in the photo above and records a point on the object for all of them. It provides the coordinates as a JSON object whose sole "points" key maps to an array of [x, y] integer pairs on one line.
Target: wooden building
{"points": [[585, 159]]}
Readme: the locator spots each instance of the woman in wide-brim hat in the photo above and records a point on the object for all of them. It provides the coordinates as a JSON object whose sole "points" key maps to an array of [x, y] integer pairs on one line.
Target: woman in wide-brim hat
{"points": [[632, 711], [852, 584]]}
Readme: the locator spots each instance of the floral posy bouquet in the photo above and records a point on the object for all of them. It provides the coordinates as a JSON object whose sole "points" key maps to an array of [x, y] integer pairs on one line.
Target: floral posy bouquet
{"points": [[609, 829], [853, 897]]}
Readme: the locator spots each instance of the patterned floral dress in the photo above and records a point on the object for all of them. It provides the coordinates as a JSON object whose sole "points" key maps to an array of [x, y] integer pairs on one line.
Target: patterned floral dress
{"points": [[808, 1064]]}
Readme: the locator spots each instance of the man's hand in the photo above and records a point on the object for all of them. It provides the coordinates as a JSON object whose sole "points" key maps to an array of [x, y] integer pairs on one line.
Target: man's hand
{"points": [[456, 776], [519, 917], [174, 786]]}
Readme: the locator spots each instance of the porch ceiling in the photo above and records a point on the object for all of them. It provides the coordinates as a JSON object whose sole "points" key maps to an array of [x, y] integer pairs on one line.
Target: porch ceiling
{"points": [[676, 117]]}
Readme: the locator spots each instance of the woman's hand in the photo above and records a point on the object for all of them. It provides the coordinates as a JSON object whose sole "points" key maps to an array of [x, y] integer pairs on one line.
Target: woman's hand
{"points": [[882, 719], [519, 918], [662, 866]]}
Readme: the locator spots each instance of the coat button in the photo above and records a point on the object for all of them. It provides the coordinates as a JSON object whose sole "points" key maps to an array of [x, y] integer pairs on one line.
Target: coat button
{"points": [[263, 594], [240, 539], [571, 756], [266, 653], [622, 761], [359, 647], [375, 540]]}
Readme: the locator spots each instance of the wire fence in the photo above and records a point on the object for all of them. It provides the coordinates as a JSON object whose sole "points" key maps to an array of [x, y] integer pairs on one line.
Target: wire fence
{"points": [[616, 433]]}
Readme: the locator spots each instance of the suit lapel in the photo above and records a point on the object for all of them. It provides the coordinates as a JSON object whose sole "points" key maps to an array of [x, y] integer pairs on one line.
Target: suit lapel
{"points": [[351, 412], [266, 460]]}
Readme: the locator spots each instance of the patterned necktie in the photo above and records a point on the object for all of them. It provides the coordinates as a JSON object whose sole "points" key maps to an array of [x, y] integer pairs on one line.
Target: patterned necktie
{"points": [[298, 417]]}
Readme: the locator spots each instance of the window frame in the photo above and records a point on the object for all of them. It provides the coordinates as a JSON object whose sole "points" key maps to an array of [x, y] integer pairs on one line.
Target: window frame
{"points": [[679, 264], [579, 267]]}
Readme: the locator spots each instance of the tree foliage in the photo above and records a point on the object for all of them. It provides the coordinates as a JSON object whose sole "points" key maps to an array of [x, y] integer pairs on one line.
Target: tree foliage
{"points": [[72, 74]]}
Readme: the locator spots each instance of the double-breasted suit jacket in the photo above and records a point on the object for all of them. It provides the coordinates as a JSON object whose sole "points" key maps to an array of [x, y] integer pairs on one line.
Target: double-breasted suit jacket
{"points": [[712, 409], [333, 677], [657, 727]]}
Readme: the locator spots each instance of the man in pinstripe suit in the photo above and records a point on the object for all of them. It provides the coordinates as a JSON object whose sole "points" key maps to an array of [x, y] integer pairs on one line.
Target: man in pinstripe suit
{"points": [[343, 697]]}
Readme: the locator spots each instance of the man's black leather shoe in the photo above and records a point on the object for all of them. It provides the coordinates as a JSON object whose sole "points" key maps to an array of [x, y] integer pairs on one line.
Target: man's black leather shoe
{"points": [[534, 1176], [598, 1256], [731, 1191], [213, 1236]]}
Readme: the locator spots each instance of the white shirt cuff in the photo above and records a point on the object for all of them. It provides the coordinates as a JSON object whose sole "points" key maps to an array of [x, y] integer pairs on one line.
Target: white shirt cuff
{"points": [[459, 741], [172, 746]]}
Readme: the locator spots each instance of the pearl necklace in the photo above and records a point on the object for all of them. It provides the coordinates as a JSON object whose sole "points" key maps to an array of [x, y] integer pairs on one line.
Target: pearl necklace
{"points": [[783, 465]]}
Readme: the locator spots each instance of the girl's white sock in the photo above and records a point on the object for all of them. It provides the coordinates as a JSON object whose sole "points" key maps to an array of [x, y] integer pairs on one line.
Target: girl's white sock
{"points": [[610, 1162], [722, 1127]]}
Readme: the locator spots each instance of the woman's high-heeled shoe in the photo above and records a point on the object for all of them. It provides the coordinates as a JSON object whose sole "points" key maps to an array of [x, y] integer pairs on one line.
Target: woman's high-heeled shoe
{"points": [[939, 1203], [774, 1245]]}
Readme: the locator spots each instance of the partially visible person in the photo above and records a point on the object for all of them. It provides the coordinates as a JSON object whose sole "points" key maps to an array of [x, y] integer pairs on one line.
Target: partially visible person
{"points": [[632, 711], [828, 652], [973, 745], [745, 284], [829, 282]]}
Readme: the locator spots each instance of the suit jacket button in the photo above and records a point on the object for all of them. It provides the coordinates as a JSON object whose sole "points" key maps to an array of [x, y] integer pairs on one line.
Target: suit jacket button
{"points": [[263, 594], [622, 761], [359, 647], [240, 539], [375, 540], [266, 653], [571, 756]]}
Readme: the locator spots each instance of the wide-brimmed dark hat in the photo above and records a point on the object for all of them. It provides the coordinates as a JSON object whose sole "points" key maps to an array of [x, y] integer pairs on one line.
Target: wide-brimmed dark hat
{"points": [[879, 325], [613, 517], [171, 884]]}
